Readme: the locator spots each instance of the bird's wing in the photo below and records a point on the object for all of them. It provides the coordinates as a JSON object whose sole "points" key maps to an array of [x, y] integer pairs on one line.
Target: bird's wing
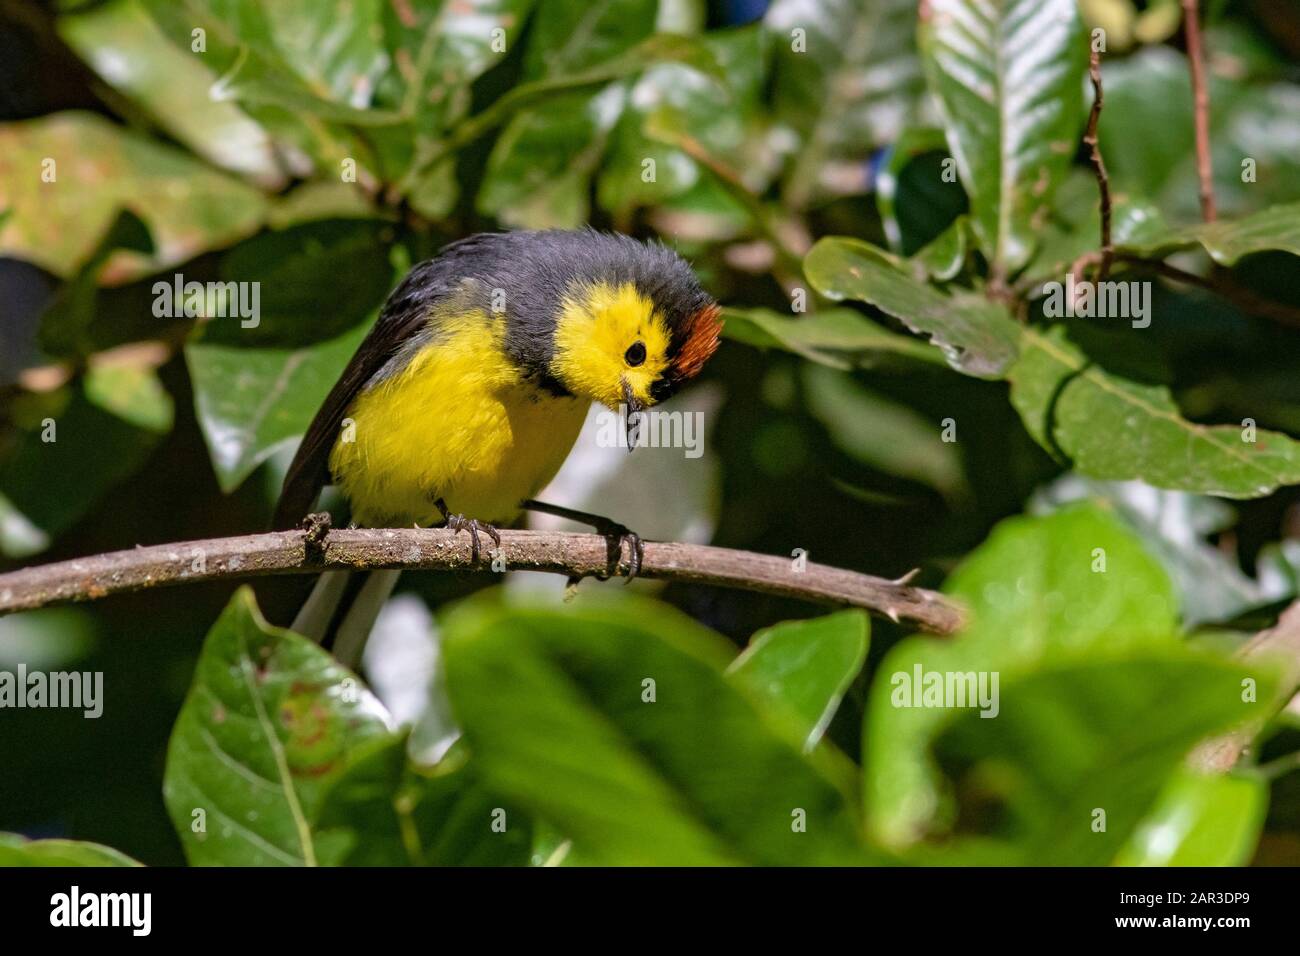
{"points": [[405, 314]]}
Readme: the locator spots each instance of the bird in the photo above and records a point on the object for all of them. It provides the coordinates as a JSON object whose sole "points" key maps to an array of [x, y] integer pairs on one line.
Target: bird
{"points": [[469, 391]]}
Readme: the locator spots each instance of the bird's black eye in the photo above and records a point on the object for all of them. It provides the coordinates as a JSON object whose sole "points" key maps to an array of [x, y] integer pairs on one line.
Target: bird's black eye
{"points": [[635, 354]]}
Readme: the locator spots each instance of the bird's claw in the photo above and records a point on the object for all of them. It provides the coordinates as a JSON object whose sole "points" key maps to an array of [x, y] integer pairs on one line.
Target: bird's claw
{"points": [[616, 535], [459, 523]]}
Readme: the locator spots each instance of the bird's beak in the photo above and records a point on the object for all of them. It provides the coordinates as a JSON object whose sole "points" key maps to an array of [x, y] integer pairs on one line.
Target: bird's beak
{"points": [[633, 416]]}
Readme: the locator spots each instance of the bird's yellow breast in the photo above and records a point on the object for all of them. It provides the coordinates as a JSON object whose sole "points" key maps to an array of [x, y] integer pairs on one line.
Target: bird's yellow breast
{"points": [[457, 423]]}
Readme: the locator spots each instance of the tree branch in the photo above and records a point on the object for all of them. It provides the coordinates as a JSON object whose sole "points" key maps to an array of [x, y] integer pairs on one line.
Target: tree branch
{"points": [[574, 555], [1099, 164], [1201, 103]]}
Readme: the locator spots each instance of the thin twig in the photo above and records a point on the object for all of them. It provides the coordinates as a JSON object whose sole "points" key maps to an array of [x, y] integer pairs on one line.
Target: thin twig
{"points": [[1099, 164], [1281, 644], [1201, 106], [573, 555]]}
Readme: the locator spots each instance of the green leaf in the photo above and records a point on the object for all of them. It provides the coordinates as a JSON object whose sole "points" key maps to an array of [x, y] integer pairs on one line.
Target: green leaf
{"points": [[615, 724], [976, 336], [1227, 241], [847, 84], [269, 722], [72, 447], [16, 850], [1176, 528], [841, 338], [1114, 428], [100, 169], [804, 667], [243, 50], [383, 811], [1009, 76], [330, 54], [439, 48], [883, 433], [1075, 741], [539, 173], [1200, 820], [130, 53], [944, 257], [673, 103], [569, 38], [253, 401], [1035, 600]]}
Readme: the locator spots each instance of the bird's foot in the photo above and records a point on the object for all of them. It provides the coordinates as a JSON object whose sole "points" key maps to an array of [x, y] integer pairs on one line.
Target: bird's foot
{"points": [[459, 523], [616, 535]]}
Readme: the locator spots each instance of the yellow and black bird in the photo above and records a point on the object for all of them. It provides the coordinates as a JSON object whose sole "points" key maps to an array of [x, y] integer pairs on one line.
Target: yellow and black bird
{"points": [[469, 392]]}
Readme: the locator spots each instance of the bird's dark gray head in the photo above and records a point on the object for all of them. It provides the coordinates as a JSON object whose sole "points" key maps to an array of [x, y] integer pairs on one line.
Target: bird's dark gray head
{"points": [[599, 315]]}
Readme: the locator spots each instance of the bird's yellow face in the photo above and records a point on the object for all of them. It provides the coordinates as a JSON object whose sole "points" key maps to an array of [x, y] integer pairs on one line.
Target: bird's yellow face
{"points": [[611, 345]]}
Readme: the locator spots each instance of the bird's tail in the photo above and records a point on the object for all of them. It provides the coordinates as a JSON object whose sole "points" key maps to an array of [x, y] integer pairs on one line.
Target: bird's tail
{"points": [[345, 609]]}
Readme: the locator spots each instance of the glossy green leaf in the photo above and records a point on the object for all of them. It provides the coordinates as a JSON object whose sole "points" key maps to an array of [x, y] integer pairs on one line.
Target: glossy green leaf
{"points": [[539, 173], [440, 47], [1037, 596], [1200, 820], [616, 724], [672, 103], [1009, 78], [383, 811], [568, 37], [945, 256], [1079, 752], [840, 337], [847, 79], [804, 667], [883, 433], [100, 168], [252, 401], [1177, 527], [16, 850], [1118, 429], [977, 336], [1227, 241], [269, 722], [127, 49]]}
